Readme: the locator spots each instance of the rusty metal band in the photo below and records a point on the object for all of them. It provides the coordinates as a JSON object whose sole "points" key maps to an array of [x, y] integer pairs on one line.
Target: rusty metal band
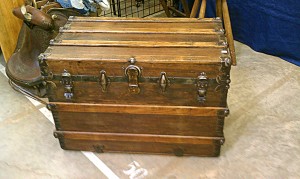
{"points": [[120, 79]]}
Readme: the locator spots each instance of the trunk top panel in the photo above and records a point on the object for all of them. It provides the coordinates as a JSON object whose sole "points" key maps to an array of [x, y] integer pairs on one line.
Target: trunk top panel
{"points": [[156, 39]]}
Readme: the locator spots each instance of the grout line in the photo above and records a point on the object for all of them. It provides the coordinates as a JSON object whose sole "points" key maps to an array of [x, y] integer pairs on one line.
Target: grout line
{"points": [[90, 155]]}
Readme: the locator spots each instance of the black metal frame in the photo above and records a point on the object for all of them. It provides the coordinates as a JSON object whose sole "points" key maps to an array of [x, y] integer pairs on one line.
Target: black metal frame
{"points": [[133, 8]]}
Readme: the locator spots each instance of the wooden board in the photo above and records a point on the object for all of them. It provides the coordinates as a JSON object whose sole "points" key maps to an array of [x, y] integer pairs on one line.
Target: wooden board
{"points": [[131, 143], [9, 27]]}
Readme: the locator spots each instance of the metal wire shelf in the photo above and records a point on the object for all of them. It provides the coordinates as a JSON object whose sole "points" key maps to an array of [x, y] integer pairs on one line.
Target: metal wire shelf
{"points": [[133, 8]]}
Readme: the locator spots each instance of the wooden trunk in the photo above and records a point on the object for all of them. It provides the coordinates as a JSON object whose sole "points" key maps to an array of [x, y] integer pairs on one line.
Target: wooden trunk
{"points": [[139, 85]]}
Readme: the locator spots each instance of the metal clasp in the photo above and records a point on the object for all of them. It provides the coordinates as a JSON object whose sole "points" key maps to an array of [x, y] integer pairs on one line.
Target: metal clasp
{"points": [[202, 85], [66, 80], [163, 81], [133, 72], [103, 80]]}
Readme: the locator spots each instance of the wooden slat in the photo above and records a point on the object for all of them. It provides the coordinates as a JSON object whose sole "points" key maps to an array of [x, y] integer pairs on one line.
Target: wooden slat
{"points": [[132, 25], [139, 109], [177, 12], [141, 124], [228, 30], [140, 20], [195, 8], [138, 137], [154, 54], [137, 44], [202, 9], [141, 31], [138, 37], [165, 6], [219, 8], [160, 59]]}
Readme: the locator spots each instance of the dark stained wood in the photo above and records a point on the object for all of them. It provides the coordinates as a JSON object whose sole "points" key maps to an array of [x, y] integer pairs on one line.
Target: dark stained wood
{"points": [[117, 93], [133, 143], [164, 5], [138, 109], [210, 126], [138, 137], [203, 150], [150, 67]]}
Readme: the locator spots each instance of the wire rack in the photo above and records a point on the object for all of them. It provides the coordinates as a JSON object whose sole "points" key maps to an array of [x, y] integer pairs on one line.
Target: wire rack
{"points": [[133, 8]]}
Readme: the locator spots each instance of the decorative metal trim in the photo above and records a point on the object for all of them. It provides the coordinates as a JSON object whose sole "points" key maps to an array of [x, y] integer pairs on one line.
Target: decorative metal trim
{"points": [[66, 80], [224, 78], [133, 73], [112, 79], [202, 85]]}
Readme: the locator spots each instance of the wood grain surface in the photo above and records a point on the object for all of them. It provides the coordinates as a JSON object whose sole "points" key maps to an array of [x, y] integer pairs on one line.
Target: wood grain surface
{"points": [[139, 143], [9, 27], [150, 121]]}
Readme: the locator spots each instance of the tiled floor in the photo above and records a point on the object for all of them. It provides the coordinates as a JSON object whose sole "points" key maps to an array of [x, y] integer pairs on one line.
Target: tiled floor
{"points": [[262, 133]]}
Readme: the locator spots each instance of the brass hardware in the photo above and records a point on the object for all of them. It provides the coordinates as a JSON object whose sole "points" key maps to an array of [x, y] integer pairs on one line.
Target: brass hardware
{"points": [[133, 73], [202, 85], [163, 81], [66, 80], [104, 81]]}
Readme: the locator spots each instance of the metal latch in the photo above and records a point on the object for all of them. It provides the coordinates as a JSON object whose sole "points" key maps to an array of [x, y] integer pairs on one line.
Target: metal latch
{"points": [[163, 81], [66, 80], [103, 81], [202, 85], [133, 72]]}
